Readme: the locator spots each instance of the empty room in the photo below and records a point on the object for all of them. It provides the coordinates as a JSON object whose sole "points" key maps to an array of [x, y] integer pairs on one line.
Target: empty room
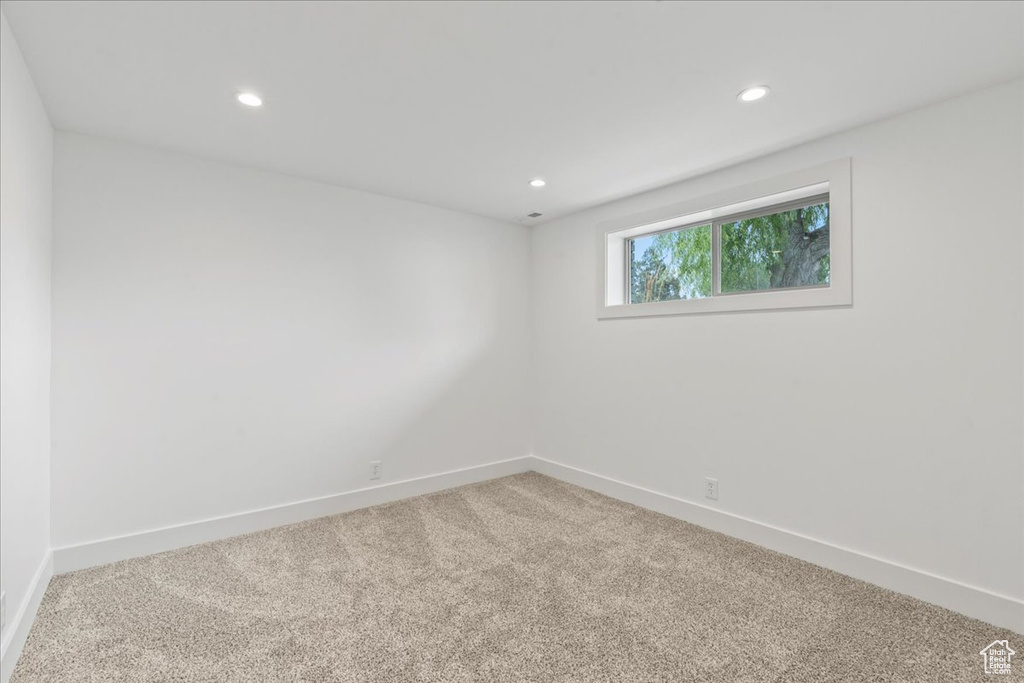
{"points": [[577, 341]]}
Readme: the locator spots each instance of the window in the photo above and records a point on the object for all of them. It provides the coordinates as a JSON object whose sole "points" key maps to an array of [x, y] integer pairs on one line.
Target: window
{"points": [[745, 249], [779, 247], [782, 248], [674, 264]]}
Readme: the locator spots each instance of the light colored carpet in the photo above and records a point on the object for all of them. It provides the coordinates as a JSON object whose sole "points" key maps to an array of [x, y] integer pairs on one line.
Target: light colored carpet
{"points": [[519, 579]]}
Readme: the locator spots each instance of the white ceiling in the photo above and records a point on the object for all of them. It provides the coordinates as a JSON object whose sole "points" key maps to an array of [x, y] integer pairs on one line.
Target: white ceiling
{"points": [[460, 104]]}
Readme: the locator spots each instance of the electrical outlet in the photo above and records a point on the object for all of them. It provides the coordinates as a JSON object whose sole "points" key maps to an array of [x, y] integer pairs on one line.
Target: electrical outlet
{"points": [[375, 469], [710, 488], [3, 610]]}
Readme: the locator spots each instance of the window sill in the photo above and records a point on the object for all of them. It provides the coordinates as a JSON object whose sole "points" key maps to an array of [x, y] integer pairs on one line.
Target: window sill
{"points": [[812, 297]]}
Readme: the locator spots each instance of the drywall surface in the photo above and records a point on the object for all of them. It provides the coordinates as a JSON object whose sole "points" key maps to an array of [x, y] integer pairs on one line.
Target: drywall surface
{"points": [[892, 428], [26, 173], [227, 339]]}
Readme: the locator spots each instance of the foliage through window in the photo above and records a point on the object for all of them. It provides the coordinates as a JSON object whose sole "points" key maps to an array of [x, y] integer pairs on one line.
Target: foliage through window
{"points": [[779, 247], [671, 265]]}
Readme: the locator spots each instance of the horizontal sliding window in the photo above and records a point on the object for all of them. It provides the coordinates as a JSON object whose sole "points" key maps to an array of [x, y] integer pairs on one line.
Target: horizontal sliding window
{"points": [[773, 244], [777, 247]]}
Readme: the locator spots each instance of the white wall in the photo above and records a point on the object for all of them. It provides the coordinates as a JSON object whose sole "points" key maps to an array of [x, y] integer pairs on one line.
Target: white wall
{"points": [[26, 167], [227, 339], [892, 428]]}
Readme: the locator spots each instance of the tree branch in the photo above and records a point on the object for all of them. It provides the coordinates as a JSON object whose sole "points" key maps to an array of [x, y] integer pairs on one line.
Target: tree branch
{"points": [[820, 242]]}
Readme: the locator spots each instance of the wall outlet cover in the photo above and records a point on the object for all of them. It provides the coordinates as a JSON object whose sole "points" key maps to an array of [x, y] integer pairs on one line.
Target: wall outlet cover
{"points": [[711, 488]]}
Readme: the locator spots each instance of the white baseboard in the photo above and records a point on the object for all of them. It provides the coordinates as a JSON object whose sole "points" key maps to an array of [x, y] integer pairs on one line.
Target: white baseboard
{"points": [[1000, 610], [19, 626], [82, 556]]}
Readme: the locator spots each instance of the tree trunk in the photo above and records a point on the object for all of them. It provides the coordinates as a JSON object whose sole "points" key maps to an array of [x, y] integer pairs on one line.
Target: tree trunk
{"points": [[801, 255]]}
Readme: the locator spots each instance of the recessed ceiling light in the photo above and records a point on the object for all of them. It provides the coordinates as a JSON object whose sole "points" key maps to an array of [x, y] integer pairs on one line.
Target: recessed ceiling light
{"points": [[754, 93], [538, 182], [250, 99]]}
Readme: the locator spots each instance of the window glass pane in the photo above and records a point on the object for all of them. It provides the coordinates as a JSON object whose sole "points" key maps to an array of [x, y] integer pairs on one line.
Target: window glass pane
{"points": [[780, 250], [670, 265]]}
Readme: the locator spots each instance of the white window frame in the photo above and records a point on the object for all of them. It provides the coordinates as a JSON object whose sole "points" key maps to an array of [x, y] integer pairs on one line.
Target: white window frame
{"points": [[832, 179]]}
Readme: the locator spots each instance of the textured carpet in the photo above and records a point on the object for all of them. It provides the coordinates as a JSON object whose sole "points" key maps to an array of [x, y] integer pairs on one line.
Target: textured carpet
{"points": [[523, 578]]}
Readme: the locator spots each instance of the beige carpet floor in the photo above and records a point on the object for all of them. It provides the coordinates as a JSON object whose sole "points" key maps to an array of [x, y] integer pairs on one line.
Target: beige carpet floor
{"points": [[519, 579]]}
